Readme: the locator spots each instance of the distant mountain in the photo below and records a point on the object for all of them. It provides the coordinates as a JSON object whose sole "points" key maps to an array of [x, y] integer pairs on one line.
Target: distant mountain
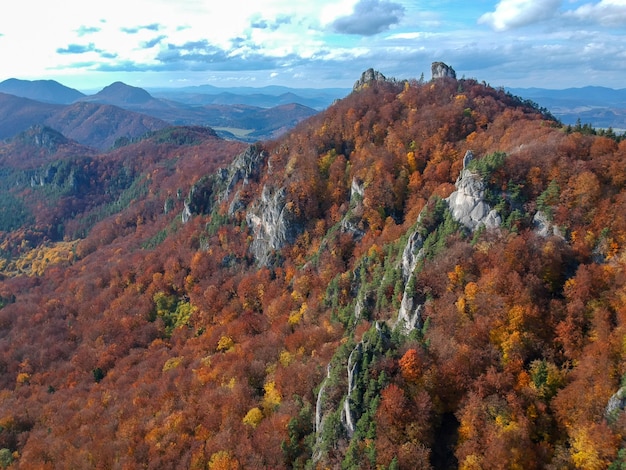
{"points": [[91, 124], [266, 97], [47, 91], [599, 106], [100, 125], [120, 94]]}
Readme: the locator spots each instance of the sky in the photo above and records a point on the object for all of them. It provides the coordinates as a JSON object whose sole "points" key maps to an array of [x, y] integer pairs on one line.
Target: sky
{"points": [[87, 44]]}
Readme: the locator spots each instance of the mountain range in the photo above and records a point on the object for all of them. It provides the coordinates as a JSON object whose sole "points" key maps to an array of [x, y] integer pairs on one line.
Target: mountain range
{"points": [[424, 275], [247, 113], [599, 106], [50, 103]]}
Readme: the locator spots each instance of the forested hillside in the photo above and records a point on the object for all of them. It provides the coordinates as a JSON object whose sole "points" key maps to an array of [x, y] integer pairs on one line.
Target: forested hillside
{"points": [[425, 275]]}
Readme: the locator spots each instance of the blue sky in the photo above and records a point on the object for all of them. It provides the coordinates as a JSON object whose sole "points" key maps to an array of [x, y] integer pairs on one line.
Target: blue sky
{"points": [[88, 44]]}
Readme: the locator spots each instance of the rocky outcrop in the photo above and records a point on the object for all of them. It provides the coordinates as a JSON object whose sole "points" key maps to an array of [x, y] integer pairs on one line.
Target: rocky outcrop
{"points": [[544, 227], [347, 417], [467, 204], [199, 199], [273, 223], [367, 78], [245, 166], [411, 254], [352, 221], [42, 137], [410, 312], [216, 188], [616, 404], [441, 70]]}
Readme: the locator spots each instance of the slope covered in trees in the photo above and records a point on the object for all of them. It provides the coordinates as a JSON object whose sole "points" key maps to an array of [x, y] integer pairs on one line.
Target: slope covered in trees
{"points": [[271, 329]]}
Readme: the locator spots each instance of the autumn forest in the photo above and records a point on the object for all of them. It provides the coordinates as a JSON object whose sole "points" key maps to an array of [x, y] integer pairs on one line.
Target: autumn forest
{"points": [[184, 301]]}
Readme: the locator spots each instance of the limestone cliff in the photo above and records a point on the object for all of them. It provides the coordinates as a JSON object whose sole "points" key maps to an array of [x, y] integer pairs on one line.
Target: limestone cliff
{"points": [[274, 224], [217, 187], [467, 203]]}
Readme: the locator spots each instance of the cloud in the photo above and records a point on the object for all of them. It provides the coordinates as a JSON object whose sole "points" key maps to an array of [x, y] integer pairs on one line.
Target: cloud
{"points": [[83, 30], [77, 49], [605, 12], [262, 23], [510, 14], [152, 42], [369, 17], [108, 55], [136, 29]]}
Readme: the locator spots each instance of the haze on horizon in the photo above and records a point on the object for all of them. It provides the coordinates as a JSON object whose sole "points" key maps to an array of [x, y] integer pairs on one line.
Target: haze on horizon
{"points": [[327, 43]]}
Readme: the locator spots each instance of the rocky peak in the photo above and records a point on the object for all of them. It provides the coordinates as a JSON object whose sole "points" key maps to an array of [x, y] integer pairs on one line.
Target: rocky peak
{"points": [[441, 70], [367, 78]]}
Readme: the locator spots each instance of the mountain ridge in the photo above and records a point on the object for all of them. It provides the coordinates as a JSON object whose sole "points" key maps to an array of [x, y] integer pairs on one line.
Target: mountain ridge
{"points": [[40, 90]]}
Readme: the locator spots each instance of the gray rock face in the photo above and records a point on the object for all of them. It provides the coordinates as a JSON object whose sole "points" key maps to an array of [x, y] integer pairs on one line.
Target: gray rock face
{"points": [[273, 223], [186, 214], [467, 203], [352, 220], [543, 226], [246, 165], [216, 188], [616, 404], [367, 77], [411, 255], [353, 370], [441, 70]]}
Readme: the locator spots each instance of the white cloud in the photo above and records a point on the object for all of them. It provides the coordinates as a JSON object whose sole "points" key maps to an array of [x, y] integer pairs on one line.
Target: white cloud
{"points": [[511, 14], [605, 12]]}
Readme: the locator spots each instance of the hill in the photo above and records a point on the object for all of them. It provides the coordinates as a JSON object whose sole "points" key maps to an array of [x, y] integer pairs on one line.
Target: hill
{"points": [[424, 275], [101, 125], [90, 124], [120, 94], [47, 91]]}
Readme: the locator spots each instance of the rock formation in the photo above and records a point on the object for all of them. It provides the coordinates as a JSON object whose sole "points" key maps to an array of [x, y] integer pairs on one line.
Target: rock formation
{"points": [[352, 221], [467, 203], [216, 188], [273, 223], [544, 227], [368, 77], [441, 70], [245, 166], [616, 404]]}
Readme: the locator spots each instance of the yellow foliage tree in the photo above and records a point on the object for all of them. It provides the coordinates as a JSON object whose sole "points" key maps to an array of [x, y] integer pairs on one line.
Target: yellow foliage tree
{"points": [[253, 417], [272, 397], [225, 343], [223, 460]]}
